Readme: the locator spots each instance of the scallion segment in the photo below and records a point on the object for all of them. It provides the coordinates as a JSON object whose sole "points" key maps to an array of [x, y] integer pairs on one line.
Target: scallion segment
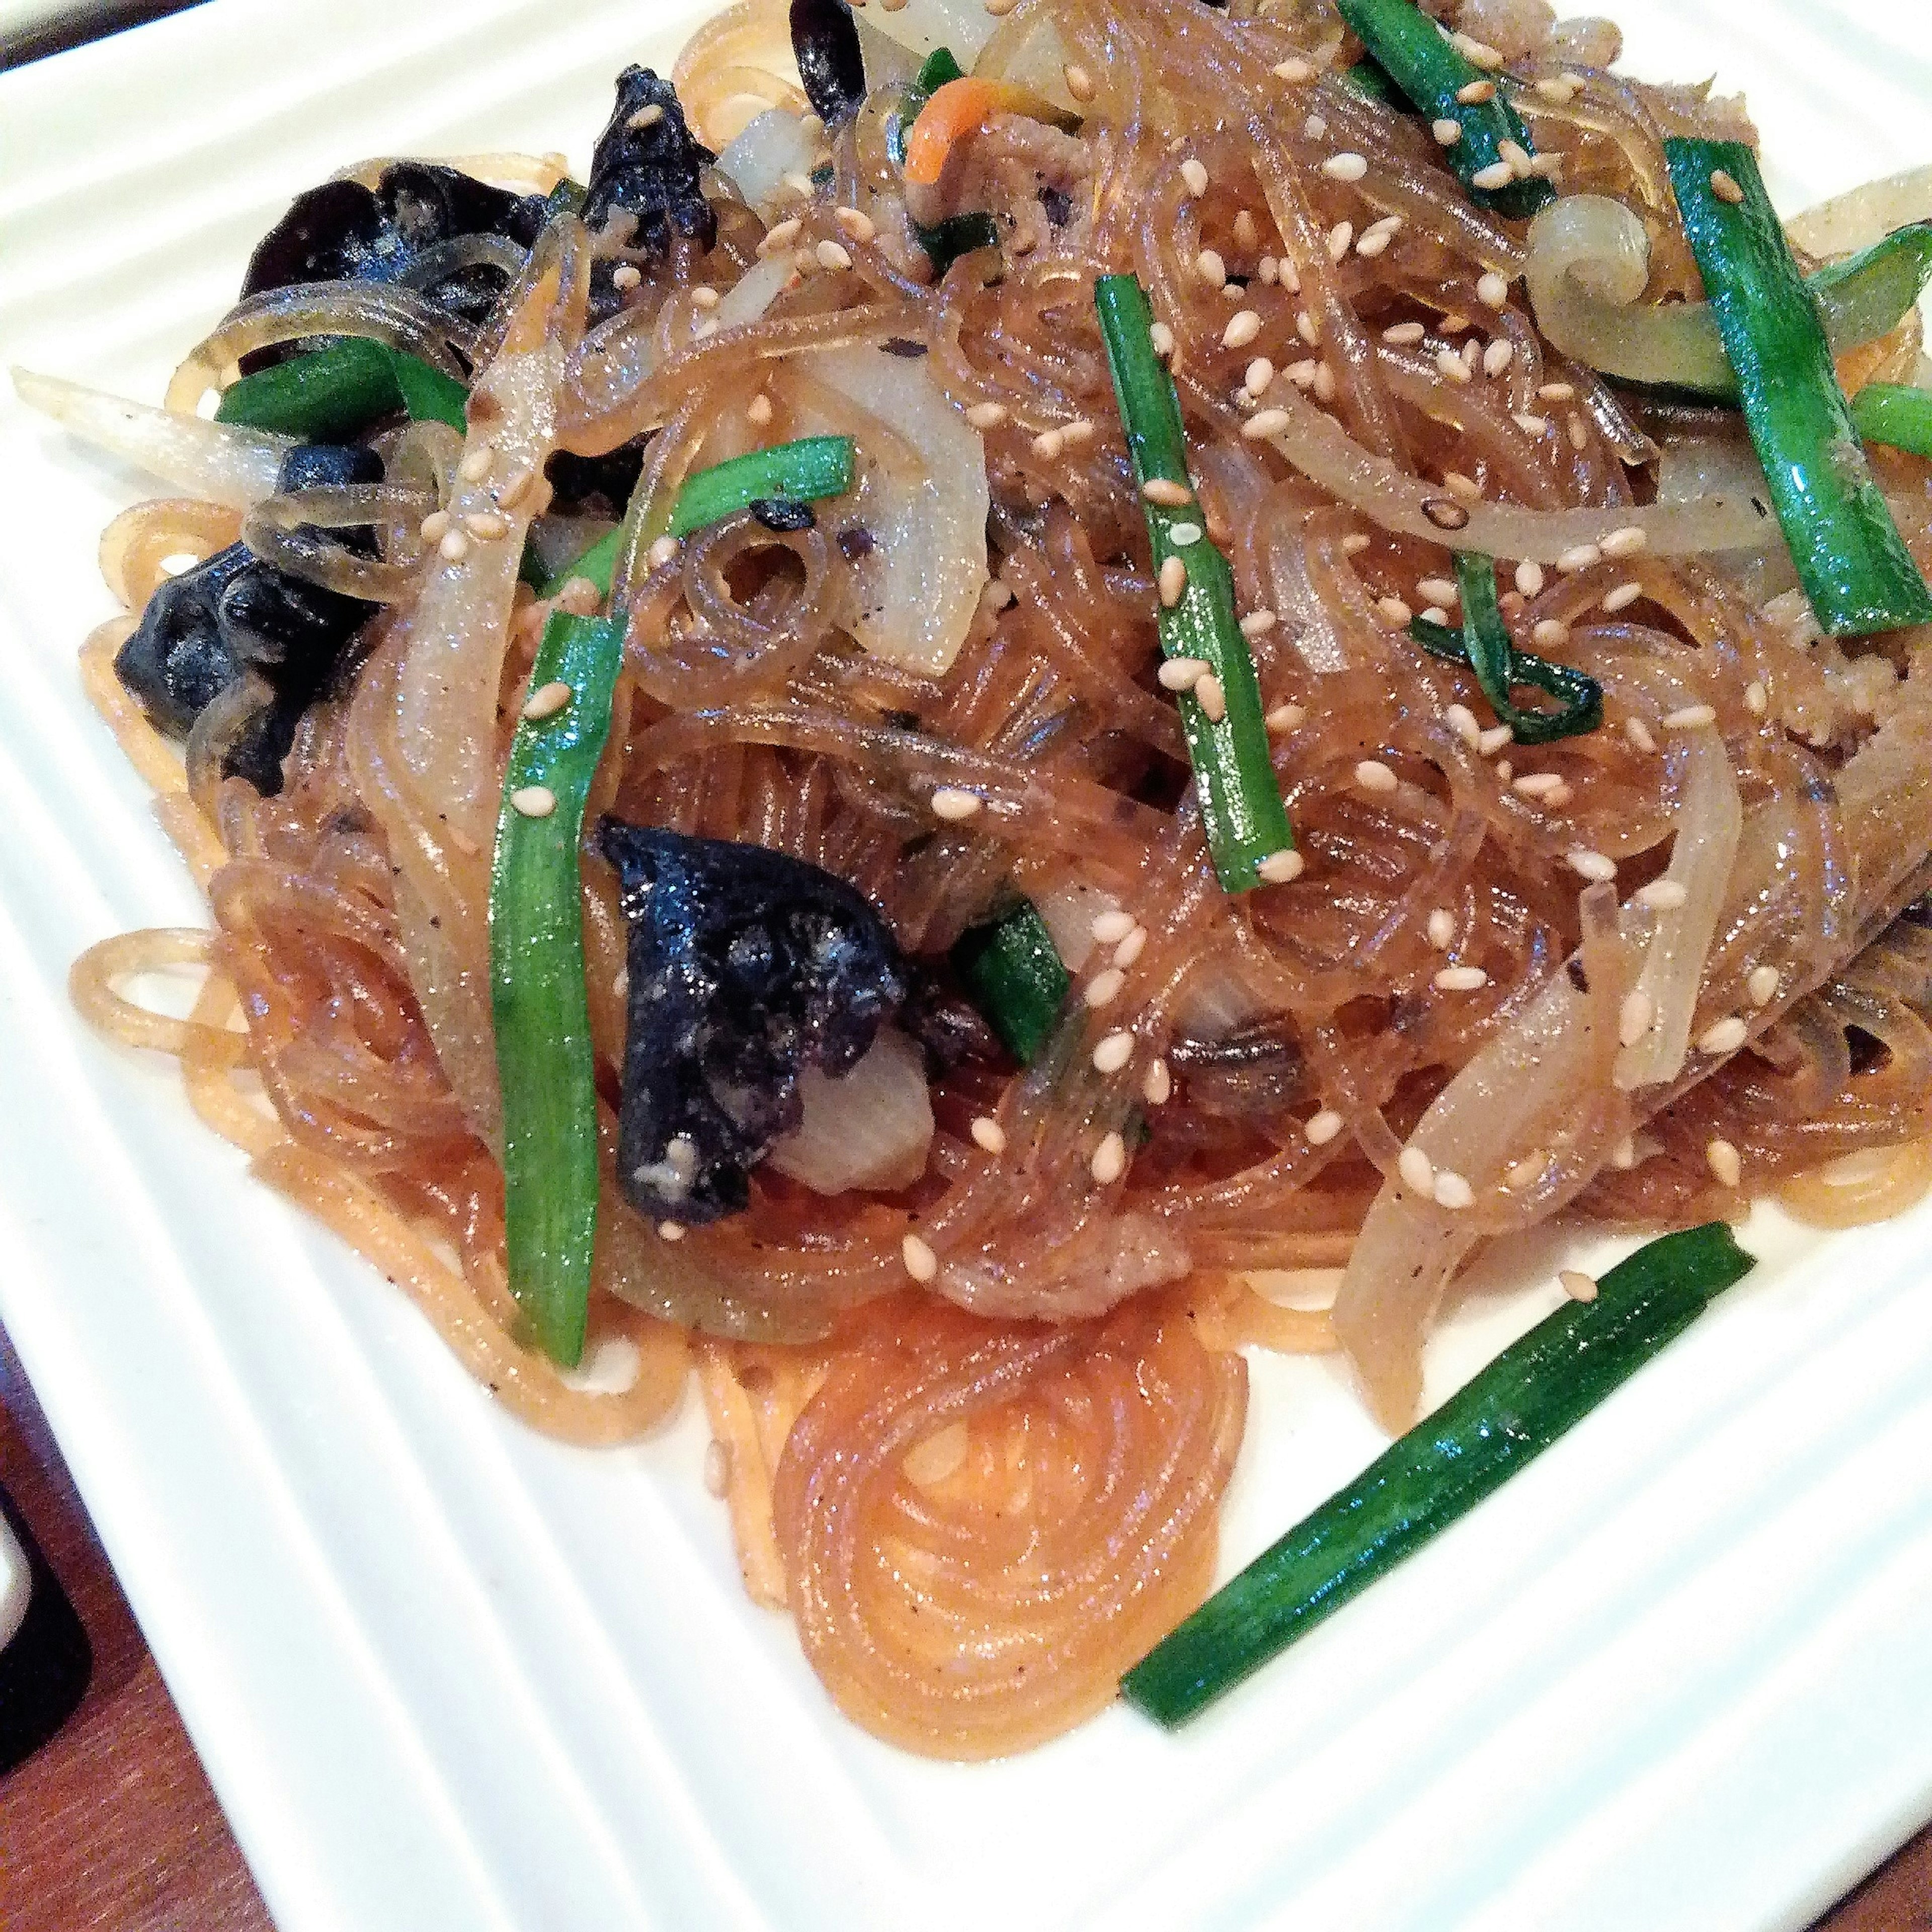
{"points": [[1895, 415], [813, 468], [1013, 973], [1234, 771], [1851, 560], [1432, 74], [1483, 644], [332, 394], [1534, 1390], [959, 234], [544, 1063]]}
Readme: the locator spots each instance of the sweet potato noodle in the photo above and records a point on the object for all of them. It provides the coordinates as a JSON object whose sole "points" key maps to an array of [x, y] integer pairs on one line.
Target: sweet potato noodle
{"points": [[981, 1499]]}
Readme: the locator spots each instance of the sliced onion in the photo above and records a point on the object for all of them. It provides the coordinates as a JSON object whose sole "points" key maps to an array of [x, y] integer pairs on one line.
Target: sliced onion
{"points": [[736, 66], [923, 26], [1856, 220], [1709, 819], [869, 1128], [1069, 910], [769, 147], [221, 463], [921, 493], [1026, 50]]}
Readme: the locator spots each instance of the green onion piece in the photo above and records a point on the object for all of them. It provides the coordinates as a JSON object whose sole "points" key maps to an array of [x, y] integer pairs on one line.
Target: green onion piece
{"points": [[544, 1060], [815, 467], [330, 395], [1894, 415], [1234, 770], [1369, 81], [1533, 1391], [1483, 644], [1851, 560], [958, 234], [1406, 44], [1012, 972], [1867, 294], [568, 197]]}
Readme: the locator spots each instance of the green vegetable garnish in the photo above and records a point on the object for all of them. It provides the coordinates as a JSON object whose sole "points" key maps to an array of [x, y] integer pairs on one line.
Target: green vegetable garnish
{"points": [[1483, 644], [813, 467], [330, 394], [541, 1009], [1369, 80], [1533, 1391], [1851, 560], [958, 234], [1406, 44], [1234, 770], [1894, 415], [1012, 972]]}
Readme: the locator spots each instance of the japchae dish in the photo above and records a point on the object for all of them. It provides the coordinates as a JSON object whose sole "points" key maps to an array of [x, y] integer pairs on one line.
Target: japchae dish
{"points": [[1038, 691]]}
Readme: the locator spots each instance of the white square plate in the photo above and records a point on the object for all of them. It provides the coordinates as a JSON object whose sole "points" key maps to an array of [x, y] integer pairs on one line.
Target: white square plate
{"points": [[446, 1674]]}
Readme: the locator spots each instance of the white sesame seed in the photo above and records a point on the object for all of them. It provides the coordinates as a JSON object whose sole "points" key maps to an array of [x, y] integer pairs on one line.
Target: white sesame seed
{"points": [[1105, 988], [1466, 487], [1315, 128], [1451, 365], [1517, 156], [988, 1133], [986, 415], [1498, 356], [1162, 337], [1280, 868], [1722, 1160], [1244, 325], [1308, 329], [1196, 176], [1210, 267], [1441, 928], [1211, 698], [1556, 392], [1492, 741], [1447, 130], [486, 525], [1529, 578], [1530, 425], [476, 463], [1762, 985], [1592, 865], [1322, 1127], [1578, 1285], [1286, 717], [1339, 238], [1182, 535], [670, 1231], [435, 527], [1492, 289], [1635, 1016], [1131, 948], [950, 802], [1048, 444], [1560, 88], [1182, 673], [1392, 608], [857, 223], [1549, 631], [1325, 384], [1110, 1160], [921, 1263], [1725, 186], [663, 551], [1472, 351], [831, 256], [705, 295], [547, 700], [1638, 733], [1689, 718], [453, 547], [1417, 1170], [533, 801], [515, 486], [1156, 1083], [1756, 699], [1265, 423], [780, 235], [1293, 70], [1461, 720], [1257, 624], [1344, 167], [1371, 775], [1474, 93], [1581, 557], [1723, 1035], [1622, 597], [645, 117], [1527, 1170], [1373, 244], [1452, 1191], [1302, 374], [999, 9], [1538, 784], [580, 596], [1623, 1156], [1114, 1052], [1112, 926], [1497, 174], [1259, 374], [758, 410], [1404, 334], [1271, 270], [1079, 82], [1574, 429], [626, 276], [1436, 590], [1171, 582], [1460, 980], [1663, 895], [1477, 53]]}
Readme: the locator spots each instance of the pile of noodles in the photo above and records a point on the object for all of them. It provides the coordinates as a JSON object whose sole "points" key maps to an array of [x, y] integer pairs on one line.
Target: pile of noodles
{"points": [[982, 1500]]}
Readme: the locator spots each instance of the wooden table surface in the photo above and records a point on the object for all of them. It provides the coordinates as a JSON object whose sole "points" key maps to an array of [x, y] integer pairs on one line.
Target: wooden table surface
{"points": [[113, 1827]]}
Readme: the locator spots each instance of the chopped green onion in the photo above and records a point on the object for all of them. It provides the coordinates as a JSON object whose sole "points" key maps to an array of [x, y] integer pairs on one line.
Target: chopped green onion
{"points": [[1483, 644], [1369, 81], [568, 197], [544, 1064], [1534, 1390], [1234, 770], [1012, 972], [1851, 560], [330, 395], [958, 234], [815, 466], [1894, 415], [1431, 72]]}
